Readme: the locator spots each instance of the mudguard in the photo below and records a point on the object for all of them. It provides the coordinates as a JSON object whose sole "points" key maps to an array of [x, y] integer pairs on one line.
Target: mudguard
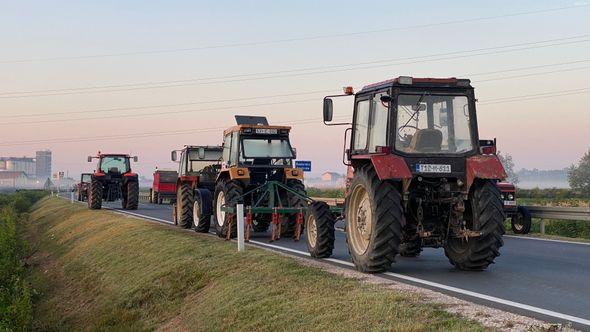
{"points": [[484, 167]]}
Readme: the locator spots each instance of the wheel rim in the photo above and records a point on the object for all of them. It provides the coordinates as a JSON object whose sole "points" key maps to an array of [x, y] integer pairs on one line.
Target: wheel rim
{"points": [[518, 222], [220, 214], [311, 231], [360, 221], [196, 213]]}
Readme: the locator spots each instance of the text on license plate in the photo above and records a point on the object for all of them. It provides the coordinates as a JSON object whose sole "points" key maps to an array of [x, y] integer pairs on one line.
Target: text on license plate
{"points": [[433, 168]]}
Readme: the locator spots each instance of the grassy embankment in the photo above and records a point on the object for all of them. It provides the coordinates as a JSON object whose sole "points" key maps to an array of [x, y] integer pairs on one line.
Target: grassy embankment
{"points": [[98, 270], [15, 293]]}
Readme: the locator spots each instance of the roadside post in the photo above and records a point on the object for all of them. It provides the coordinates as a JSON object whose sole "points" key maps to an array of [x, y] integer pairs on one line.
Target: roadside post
{"points": [[240, 217], [72, 197]]}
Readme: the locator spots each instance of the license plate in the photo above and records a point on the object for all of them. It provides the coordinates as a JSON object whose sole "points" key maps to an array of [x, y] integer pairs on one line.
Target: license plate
{"points": [[433, 168], [266, 131], [510, 203]]}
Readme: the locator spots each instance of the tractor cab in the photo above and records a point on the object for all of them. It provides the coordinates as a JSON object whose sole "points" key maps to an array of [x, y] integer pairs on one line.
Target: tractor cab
{"points": [[198, 164], [258, 152]]}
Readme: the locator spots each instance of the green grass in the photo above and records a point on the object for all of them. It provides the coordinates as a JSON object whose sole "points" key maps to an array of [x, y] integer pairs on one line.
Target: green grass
{"points": [[95, 270]]}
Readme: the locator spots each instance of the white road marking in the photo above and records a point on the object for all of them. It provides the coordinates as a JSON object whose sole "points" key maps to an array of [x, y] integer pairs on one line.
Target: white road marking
{"points": [[548, 240], [489, 298]]}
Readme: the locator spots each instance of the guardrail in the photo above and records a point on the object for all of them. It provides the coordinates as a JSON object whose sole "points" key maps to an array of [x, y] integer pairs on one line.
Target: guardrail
{"points": [[558, 212]]}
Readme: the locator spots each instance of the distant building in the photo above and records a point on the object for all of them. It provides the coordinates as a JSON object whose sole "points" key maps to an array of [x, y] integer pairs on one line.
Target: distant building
{"points": [[43, 165], [13, 179], [24, 164]]}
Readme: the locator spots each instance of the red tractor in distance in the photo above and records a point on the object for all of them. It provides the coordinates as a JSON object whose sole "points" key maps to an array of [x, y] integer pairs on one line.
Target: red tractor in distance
{"points": [[164, 186], [421, 176], [113, 180], [82, 186], [520, 217]]}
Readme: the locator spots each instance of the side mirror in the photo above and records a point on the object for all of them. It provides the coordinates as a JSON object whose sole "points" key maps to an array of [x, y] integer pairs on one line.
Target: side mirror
{"points": [[201, 152], [89, 159], [328, 109], [173, 156], [134, 159]]}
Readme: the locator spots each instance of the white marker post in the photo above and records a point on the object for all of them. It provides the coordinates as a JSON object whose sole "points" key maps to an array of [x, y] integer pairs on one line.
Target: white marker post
{"points": [[72, 197], [240, 217]]}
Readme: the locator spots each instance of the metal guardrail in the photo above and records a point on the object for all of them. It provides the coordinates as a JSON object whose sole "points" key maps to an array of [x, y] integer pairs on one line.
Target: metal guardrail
{"points": [[558, 212]]}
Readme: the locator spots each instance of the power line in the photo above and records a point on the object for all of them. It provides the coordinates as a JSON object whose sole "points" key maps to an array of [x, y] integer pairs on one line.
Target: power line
{"points": [[297, 39], [146, 134], [218, 108], [303, 121], [300, 71]]}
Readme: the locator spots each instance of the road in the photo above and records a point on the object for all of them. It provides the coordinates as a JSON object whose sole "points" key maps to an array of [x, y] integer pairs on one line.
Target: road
{"points": [[544, 279]]}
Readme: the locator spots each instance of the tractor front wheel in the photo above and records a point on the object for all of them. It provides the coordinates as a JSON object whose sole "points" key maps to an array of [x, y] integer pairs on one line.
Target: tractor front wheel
{"points": [[521, 221], [373, 221], [319, 230], [201, 221], [185, 199], [484, 214], [227, 194], [95, 195]]}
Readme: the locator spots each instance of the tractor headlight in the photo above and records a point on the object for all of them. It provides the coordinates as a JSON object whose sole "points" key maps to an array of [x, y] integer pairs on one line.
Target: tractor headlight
{"points": [[510, 197], [502, 196]]}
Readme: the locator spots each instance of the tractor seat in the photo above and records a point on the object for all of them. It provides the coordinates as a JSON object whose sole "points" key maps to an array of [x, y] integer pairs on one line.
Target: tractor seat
{"points": [[426, 140], [113, 170]]}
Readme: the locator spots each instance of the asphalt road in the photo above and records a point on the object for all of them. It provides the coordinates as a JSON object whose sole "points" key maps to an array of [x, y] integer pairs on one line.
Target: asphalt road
{"points": [[549, 280]]}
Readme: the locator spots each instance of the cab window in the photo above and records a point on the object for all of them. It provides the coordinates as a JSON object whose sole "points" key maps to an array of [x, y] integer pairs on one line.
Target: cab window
{"points": [[378, 123], [361, 125]]}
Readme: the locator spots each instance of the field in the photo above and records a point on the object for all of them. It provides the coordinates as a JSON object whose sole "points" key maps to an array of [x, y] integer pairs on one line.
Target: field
{"points": [[96, 270]]}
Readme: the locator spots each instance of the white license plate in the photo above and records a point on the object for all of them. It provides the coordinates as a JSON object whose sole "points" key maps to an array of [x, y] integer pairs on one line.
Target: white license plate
{"points": [[266, 131], [511, 203], [433, 168]]}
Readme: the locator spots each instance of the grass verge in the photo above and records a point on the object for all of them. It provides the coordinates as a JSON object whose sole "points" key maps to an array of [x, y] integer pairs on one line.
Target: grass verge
{"points": [[99, 270]]}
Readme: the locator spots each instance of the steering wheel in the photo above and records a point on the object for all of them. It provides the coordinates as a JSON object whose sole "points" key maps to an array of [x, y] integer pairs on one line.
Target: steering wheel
{"points": [[404, 127]]}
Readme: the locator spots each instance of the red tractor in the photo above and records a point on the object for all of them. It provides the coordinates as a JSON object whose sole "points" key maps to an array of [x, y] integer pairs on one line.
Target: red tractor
{"points": [[164, 186], [422, 178], [113, 180], [82, 186], [520, 217]]}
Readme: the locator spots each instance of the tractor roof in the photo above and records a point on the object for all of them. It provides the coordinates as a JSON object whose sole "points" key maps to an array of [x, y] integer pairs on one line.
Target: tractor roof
{"points": [[114, 154], [207, 147], [406, 81], [244, 126]]}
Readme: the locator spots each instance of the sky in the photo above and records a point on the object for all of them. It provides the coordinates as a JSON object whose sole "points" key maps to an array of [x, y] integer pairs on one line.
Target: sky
{"points": [[146, 78]]}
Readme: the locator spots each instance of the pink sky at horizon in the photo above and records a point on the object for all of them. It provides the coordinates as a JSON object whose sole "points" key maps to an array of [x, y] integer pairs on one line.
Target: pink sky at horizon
{"points": [[543, 133]]}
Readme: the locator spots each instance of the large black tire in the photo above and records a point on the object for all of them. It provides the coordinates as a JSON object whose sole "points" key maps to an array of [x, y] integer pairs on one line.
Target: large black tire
{"points": [[289, 223], [185, 199], [131, 196], [377, 204], [95, 195], [201, 221], [229, 193], [319, 230], [485, 214], [521, 221]]}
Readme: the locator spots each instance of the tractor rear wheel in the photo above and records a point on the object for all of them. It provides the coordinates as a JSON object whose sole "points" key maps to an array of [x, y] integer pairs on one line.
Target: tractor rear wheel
{"points": [[185, 199], [201, 221], [289, 222], [131, 196], [95, 195], [319, 230], [261, 223], [521, 221], [484, 214], [227, 193], [373, 221]]}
